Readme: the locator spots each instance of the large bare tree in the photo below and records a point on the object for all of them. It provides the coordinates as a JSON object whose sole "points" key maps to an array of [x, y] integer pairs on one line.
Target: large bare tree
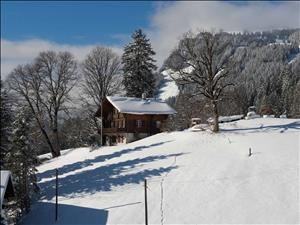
{"points": [[102, 77], [45, 85], [205, 60]]}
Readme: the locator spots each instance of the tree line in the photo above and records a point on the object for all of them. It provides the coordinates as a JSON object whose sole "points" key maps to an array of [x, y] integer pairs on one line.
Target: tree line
{"points": [[260, 69], [50, 103]]}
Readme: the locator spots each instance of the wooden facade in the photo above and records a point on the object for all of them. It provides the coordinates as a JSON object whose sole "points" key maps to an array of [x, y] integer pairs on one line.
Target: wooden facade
{"points": [[123, 128]]}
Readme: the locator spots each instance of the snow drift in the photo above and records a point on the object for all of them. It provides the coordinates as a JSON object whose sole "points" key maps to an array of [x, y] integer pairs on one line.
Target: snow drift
{"points": [[193, 178]]}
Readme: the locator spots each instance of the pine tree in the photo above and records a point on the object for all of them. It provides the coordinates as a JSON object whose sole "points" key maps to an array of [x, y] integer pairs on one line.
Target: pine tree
{"points": [[6, 124], [3, 217], [138, 66], [22, 159]]}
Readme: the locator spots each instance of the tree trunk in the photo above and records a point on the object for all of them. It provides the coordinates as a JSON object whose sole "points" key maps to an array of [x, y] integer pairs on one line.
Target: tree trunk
{"points": [[101, 137], [53, 152], [99, 131], [216, 116], [26, 191], [56, 142], [56, 137]]}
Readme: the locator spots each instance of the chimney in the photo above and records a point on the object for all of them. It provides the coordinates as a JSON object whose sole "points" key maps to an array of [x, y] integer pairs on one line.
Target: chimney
{"points": [[144, 96]]}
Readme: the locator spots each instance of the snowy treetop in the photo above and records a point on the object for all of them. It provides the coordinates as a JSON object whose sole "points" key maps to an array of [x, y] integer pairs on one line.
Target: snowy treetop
{"points": [[140, 106]]}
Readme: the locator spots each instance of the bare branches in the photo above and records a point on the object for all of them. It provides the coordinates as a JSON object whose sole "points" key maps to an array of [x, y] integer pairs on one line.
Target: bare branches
{"points": [[45, 85], [101, 71], [206, 63]]}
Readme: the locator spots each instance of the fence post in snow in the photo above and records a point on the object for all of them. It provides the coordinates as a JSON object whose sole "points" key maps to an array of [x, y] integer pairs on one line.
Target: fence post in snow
{"points": [[56, 195], [146, 203], [250, 153]]}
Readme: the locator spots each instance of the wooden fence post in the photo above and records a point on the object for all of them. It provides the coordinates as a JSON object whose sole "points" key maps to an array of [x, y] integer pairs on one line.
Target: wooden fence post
{"points": [[250, 153], [146, 203], [56, 195]]}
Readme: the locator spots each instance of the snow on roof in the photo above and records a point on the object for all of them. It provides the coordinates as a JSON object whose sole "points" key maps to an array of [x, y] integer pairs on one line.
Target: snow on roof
{"points": [[5, 176], [140, 106]]}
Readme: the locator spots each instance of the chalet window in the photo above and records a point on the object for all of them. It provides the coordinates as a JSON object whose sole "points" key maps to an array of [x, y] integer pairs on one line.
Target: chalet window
{"points": [[119, 124], [158, 123], [139, 123], [123, 123]]}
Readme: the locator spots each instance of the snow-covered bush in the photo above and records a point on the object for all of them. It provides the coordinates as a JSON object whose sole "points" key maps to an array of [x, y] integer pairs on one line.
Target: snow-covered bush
{"points": [[200, 127], [268, 116], [3, 218], [251, 115]]}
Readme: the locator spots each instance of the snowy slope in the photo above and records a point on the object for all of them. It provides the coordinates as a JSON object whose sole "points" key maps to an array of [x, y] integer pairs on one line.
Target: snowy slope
{"points": [[193, 178], [169, 87], [293, 58]]}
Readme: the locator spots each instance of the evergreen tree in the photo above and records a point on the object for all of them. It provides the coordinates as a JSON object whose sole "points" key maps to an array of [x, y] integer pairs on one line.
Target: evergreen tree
{"points": [[22, 159], [6, 125], [138, 66]]}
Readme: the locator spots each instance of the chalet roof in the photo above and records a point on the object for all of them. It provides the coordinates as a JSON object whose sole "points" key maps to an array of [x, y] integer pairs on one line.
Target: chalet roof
{"points": [[6, 183], [140, 106]]}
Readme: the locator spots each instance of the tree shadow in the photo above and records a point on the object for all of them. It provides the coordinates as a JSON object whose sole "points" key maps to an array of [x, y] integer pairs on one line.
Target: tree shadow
{"points": [[103, 178], [89, 162], [43, 213], [282, 128]]}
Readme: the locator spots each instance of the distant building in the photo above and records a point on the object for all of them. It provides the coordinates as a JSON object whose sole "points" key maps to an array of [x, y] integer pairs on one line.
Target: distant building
{"points": [[7, 193], [126, 119], [7, 190], [195, 121]]}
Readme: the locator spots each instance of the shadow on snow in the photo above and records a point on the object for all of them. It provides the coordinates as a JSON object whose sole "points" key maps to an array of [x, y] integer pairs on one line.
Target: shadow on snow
{"points": [[43, 213], [89, 162], [103, 178], [282, 128]]}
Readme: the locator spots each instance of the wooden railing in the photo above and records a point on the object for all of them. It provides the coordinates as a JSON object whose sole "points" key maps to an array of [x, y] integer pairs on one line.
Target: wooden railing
{"points": [[113, 130]]}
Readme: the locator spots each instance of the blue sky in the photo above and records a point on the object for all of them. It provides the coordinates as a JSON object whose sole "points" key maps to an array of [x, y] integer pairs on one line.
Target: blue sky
{"points": [[30, 27], [74, 22]]}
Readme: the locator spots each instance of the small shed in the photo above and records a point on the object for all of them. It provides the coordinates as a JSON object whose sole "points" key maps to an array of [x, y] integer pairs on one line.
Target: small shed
{"points": [[7, 188], [195, 121]]}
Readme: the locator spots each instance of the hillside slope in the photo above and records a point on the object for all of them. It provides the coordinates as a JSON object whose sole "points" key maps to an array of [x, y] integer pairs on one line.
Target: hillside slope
{"points": [[193, 178], [168, 86]]}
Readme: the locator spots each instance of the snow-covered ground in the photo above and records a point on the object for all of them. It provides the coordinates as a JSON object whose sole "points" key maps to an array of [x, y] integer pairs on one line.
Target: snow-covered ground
{"points": [[294, 57], [193, 178], [169, 87]]}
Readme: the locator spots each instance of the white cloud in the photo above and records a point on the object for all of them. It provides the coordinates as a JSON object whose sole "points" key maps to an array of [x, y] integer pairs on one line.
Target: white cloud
{"points": [[170, 21], [14, 53]]}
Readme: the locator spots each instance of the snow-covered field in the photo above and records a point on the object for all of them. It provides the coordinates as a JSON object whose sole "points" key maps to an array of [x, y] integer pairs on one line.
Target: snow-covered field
{"points": [[193, 178]]}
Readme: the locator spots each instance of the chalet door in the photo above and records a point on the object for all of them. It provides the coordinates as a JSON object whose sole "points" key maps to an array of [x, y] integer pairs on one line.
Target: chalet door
{"points": [[113, 140]]}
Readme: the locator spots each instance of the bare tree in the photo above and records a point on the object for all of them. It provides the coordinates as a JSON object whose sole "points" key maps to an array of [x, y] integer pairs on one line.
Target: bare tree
{"points": [[45, 86], [101, 73], [101, 70], [205, 62], [59, 72]]}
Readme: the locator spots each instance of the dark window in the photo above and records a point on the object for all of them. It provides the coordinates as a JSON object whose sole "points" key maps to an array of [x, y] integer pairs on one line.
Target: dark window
{"points": [[139, 123]]}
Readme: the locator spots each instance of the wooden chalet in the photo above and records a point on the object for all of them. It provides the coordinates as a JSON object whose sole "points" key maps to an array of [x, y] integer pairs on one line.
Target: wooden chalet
{"points": [[126, 119]]}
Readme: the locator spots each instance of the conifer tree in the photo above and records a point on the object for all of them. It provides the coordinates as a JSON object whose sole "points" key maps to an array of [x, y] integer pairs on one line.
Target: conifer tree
{"points": [[22, 159], [138, 66], [6, 124]]}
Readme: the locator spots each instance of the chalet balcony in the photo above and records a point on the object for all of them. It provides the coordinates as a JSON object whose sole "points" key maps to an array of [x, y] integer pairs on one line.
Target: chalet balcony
{"points": [[113, 130]]}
